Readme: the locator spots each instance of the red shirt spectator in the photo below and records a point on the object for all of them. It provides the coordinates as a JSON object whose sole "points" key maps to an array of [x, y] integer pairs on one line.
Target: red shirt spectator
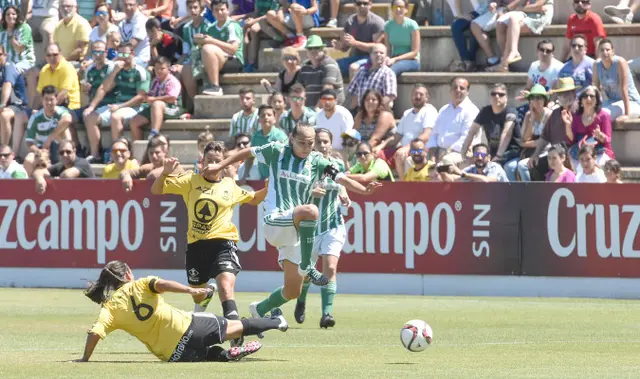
{"points": [[590, 25]]}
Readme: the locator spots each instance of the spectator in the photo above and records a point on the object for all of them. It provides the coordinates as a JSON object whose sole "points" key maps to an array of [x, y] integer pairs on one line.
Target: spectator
{"points": [[221, 48], [113, 42], [162, 101], [498, 122], [276, 100], [244, 121], [298, 112], [375, 76], [611, 73], [163, 43], [58, 72], [374, 122], [130, 85], [320, 72], [453, 124], [350, 140], [9, 168], [288, 76], [203, 140], [545, 70], [613, 172], [262, 20], [132, 31], [533, 17], [243, 141], [402, 39], [161, 10], [70, 166], [417, 122], [361, 31], [591, 173], [299, 17], [105, 25], [622, 13], [267, 133], [334, 8], [584, 23], [46, 127], [555, 129], [333, 117], [580, 65], [15, 37], [369, 168], [95, 75], [532, 127], [72, 33], [468, 50], [151, 168], [558, 170], [421, 169], [198, 25], [44, 19], [486, 22], [483, 170], [120, 160], [13, 117], [591, 125], [240, 9]]}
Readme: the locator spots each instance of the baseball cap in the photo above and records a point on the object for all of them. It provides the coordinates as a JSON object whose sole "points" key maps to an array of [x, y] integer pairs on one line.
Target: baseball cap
{"points": [[352, 133]]}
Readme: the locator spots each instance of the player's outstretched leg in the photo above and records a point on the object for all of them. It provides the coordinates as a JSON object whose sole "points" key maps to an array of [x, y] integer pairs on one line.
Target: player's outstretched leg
{"points": [[305, 217], [301, 303], [328, 292], [218, 354]]}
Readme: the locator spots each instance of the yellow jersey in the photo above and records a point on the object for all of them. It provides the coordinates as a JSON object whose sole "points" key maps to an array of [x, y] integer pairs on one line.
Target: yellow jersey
{"points": [[418, 176], [111, 172], [209, 204], [139, 310]]}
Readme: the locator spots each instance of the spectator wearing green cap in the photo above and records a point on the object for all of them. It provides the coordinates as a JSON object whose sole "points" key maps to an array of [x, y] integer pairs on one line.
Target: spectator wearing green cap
{"points": [[320, 72]]}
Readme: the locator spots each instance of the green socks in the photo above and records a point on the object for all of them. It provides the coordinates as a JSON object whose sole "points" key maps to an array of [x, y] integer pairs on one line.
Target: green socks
{"points": [[305, 288], [307, 230], [327, 293], [274, 300]]}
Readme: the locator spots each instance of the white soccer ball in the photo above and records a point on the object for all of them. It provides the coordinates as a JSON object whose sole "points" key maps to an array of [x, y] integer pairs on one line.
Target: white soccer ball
{"points": [[416, 335]]}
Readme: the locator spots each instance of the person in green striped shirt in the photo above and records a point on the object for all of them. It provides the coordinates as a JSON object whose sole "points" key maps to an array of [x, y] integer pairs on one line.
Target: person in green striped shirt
{"points": [[267, 133], [290, 220], [298, 112], [15, 36], [246, 119], [197, 26], [331, 234]]}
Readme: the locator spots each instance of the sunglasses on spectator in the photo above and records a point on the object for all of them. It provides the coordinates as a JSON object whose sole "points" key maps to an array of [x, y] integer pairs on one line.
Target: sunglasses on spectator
{"points": [[350, 143], [101, 13], [62, 153], [242, 143], [416, 151], [4, 155], [499, 94], [586, 2], [480, 154], [297, 98], [328, 99], [97, 52], [124, 55], [119, 150], [362, 3], [362, 153], [589, 96], [545, 51], [398, 7], [577, 45], [290, 58], [52, 55]]}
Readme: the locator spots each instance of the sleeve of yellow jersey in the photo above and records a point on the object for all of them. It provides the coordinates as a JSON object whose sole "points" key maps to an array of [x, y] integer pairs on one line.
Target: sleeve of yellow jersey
{"points": [[104, 324], [240, 195], [179, 184], [149, 283]]}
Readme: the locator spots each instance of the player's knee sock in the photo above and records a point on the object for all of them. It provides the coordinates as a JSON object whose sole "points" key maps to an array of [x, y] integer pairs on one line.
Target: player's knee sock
{"points": [[305, 288], [274, 300], [327, 293], [253, 326], [230, 310], [307, 231], [216, 354]]}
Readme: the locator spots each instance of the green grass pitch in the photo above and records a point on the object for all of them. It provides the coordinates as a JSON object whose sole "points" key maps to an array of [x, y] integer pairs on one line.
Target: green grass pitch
{"points": [[41, 330]]}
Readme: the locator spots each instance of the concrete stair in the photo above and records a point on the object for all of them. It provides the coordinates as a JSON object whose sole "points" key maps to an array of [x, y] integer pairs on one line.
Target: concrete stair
{"points": [[437, 50]]}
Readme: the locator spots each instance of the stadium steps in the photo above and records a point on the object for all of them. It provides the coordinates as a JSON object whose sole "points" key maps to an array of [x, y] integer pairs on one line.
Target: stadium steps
{"points": [[437, 50], [98, 169]]}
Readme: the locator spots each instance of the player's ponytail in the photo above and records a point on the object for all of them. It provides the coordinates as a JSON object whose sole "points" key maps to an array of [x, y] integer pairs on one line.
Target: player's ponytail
{"points": [[112, 277]]}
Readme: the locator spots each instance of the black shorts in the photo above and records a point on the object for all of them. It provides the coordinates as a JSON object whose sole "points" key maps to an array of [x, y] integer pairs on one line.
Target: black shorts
{"points": [[206, 259], [205, 331]]}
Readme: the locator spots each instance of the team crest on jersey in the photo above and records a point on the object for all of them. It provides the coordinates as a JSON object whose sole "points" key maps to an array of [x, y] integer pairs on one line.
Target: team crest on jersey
{"points": [[226, 195], [205, 210], [284, 174]]}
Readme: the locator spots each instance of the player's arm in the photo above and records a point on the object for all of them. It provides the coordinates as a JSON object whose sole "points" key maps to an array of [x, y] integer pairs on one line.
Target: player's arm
{"points": [[350, 184], [215, 168], [170, 165], [89, 346], [258, 196], [162, 286]]}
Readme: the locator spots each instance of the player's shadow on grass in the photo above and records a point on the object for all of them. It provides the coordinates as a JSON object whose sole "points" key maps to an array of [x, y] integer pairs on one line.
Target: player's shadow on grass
{"points": [[400, 363]]}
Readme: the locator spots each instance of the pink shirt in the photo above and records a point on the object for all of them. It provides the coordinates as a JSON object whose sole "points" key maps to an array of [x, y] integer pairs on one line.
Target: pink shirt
{"points": [[169, 87], [566, 177], [603, 120]]}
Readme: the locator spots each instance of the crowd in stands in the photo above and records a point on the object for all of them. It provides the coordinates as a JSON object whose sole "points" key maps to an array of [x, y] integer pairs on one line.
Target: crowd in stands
{"points": [[131, 65]]}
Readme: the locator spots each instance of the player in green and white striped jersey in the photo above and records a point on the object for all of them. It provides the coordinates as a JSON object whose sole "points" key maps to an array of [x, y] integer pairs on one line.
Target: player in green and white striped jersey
{"points": [[245, 120], [331, 234], [290, 220]]}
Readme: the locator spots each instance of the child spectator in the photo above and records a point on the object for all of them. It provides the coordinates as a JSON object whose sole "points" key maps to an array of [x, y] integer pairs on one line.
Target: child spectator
{"points": [[558, 170], [613, 172], [591, 173], [203, 140]]}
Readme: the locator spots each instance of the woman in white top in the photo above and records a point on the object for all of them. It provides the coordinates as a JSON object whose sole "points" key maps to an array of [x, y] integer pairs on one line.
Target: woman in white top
{"points": [[104, 17], [591, 173]]}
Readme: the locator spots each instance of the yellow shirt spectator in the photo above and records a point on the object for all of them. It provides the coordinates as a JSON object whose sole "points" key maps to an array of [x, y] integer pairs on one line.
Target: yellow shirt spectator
{"points": [[68, 34], [63, 77], [112, 172], [421, 175]]}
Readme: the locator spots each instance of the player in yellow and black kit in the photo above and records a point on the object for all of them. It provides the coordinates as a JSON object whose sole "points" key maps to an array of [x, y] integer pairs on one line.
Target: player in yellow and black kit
{"points": [[172, 335], [211, 236]]}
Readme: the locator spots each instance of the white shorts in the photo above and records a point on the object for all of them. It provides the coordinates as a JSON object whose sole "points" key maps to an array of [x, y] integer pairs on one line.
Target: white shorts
{"points": [[330, 242], [307, 22], [105, 114], [281, 233]]}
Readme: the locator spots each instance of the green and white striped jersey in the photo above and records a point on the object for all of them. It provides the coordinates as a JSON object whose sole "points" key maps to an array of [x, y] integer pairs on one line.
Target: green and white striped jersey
{"points": [[40, 126], [329, 204], [243, 124], [291, 179]]}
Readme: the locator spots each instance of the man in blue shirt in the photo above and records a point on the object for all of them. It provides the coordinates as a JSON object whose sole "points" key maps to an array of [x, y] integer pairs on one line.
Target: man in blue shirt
{"points": [[13, 99]]}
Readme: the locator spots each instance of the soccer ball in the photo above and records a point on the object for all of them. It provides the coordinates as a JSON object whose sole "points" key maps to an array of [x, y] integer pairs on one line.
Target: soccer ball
{"points": [[416, 335]]}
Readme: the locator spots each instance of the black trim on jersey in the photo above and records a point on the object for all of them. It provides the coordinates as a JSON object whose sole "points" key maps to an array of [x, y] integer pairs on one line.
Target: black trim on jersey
{"points": [[152, 285], [331, 171]]}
